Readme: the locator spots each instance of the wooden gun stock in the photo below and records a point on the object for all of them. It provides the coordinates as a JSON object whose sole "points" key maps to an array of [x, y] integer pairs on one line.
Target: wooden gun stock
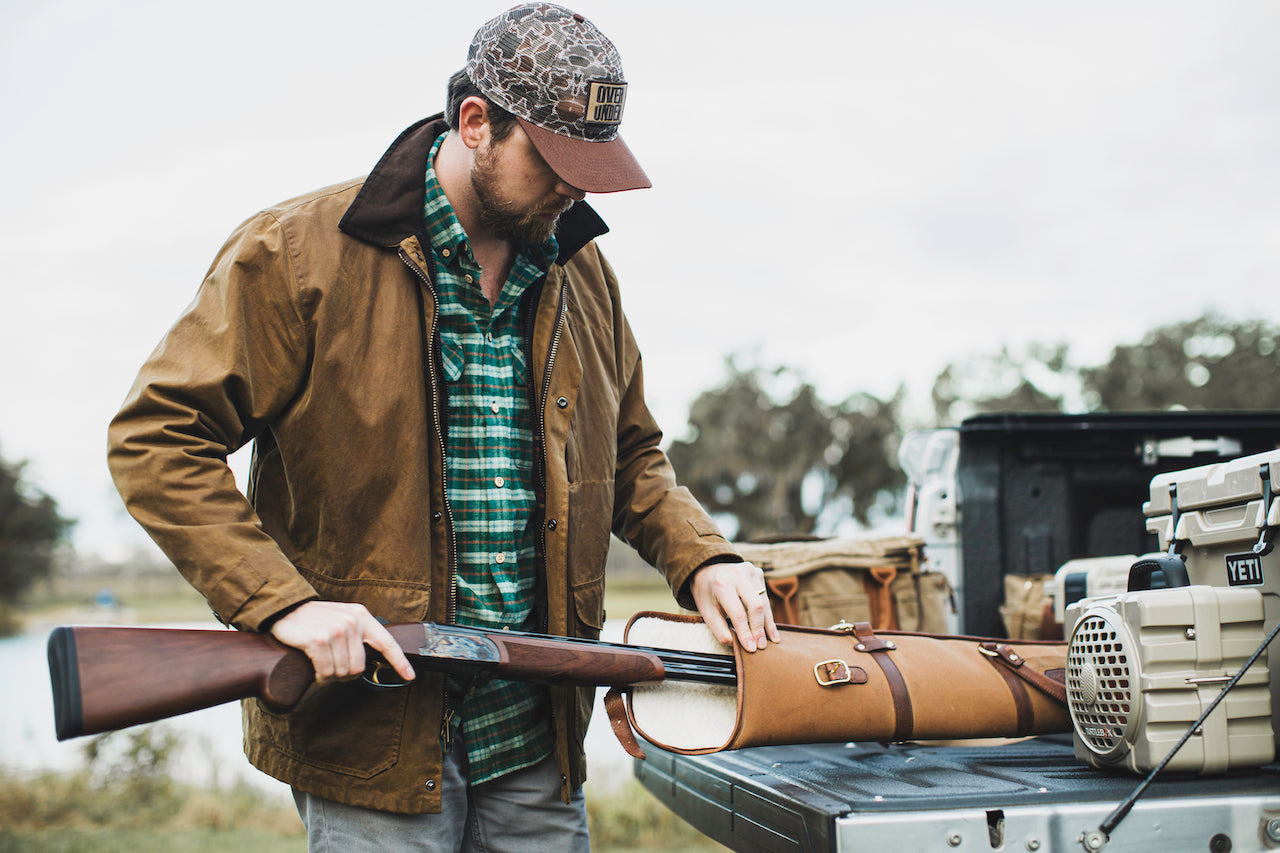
{"points": [[107, 678]]}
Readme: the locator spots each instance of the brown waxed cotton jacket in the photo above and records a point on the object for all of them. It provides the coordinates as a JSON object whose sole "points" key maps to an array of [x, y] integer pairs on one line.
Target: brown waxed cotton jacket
{"points": [[314, 335]]}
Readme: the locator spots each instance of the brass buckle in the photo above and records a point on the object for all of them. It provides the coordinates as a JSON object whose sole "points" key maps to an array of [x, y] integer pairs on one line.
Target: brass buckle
{"points": [[832, 672]]}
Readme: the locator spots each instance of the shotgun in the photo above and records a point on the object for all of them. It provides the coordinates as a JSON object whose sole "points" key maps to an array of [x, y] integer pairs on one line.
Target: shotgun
{"points": [[107, 678]]}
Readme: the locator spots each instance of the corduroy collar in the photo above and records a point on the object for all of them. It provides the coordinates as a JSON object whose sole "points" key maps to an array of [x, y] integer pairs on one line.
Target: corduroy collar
{"points": [[388, 208]]}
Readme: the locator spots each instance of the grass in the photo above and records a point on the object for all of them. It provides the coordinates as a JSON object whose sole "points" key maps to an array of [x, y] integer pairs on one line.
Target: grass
{"points": [[633, 820], [627, 594], [139, 812], [74, 812], [145, 841], [123, 800], [158, 594]]}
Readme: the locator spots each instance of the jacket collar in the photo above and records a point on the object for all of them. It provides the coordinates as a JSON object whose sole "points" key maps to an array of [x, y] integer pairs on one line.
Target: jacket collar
{"points": [[388, 208]]}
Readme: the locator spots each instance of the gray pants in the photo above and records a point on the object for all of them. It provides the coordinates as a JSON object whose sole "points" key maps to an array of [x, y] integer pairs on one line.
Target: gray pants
{"points": [[518, 813]]}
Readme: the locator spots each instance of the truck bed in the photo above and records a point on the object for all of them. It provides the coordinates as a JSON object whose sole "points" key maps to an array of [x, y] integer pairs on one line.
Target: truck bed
{"points": [[1030, 795]]}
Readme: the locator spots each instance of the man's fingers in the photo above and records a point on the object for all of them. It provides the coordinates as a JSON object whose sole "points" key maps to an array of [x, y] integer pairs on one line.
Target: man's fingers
{"points": [[333, 636], [770, 626], [732, 605], [380, 640], [753, 622], [718, 626], [732, 601]]}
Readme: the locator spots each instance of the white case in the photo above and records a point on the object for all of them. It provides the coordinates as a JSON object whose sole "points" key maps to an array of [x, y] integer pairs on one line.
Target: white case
{"points": [[1217, 515]]}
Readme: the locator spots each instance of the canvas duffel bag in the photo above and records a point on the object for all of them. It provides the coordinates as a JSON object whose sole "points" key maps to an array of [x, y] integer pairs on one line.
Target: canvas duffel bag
{"points": [[825, 582]]}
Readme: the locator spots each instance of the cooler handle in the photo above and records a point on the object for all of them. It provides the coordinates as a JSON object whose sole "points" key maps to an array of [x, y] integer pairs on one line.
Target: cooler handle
{"points": [[1171, 566]]}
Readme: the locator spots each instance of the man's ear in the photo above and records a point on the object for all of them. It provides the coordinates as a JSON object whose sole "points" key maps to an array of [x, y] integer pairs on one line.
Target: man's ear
{"points": [[473, 121]]}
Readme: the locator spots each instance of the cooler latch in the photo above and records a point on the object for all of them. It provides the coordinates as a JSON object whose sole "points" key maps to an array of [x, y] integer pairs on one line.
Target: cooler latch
{"points": [[1175, 515], [1264, 545]]}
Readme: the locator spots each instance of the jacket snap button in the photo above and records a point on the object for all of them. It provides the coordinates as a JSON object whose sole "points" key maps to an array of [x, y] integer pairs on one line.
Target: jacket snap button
{"points": [[563, 402], [437, 515], [552, 524], [431, 784]]}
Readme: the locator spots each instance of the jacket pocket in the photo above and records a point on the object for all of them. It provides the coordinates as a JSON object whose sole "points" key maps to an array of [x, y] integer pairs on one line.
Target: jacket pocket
{"points": [[349, 728], [588, 604]]}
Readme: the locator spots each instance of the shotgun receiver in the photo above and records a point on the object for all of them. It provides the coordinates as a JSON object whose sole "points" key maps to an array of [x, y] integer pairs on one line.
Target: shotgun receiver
{"points": [[107, 678]]}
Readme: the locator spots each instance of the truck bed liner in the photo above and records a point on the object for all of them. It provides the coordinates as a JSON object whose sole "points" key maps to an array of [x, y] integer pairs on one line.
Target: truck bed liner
{"points": [[1028, 795]]}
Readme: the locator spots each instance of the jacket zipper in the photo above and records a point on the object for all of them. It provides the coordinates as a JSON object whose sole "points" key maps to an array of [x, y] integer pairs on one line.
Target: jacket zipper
{"points": [[448, 712], [542, 430]]}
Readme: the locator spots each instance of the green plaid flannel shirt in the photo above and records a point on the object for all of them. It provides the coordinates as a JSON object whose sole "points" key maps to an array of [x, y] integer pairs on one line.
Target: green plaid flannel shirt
{"points": [[506, 724]]}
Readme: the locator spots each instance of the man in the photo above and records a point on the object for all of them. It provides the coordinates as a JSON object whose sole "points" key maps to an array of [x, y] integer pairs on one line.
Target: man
{"points": [[448, 417]]}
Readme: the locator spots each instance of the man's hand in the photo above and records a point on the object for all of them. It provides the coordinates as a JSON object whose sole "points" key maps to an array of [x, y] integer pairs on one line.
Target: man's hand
{"points": [[735, 592], [334, 634]]}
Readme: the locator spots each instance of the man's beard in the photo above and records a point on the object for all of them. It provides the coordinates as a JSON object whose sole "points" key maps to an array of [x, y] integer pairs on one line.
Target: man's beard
{"points": [[501, 217]]}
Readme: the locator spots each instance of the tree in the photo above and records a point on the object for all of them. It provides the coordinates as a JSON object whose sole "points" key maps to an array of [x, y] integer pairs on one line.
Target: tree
{"points": [[1206, 363], [29, 528], [1040, 378], [767, 451], [1209, 362]]}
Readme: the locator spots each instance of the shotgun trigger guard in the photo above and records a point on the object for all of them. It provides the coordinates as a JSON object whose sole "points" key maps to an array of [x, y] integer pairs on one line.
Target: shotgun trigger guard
{"points": [[832, 672], [381, 674]]}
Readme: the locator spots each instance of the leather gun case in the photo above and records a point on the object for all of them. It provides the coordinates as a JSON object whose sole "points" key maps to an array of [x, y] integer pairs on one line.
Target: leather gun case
{"points": [[820, 686]]}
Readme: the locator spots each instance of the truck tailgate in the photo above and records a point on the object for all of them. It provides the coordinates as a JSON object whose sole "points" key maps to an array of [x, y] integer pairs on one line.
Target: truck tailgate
{"points": [[1030, 795]]}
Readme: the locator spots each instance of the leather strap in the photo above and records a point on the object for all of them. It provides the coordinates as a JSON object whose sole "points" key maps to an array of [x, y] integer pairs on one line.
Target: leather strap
{"points": [[616, 708], [1004, 654], [1021, 701], [876, 584], [904, 718], [783, 592]]}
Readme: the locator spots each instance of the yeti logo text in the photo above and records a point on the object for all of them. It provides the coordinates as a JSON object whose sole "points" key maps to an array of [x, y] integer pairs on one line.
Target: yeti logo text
{"points": [[605, 102], [1244, 569]]}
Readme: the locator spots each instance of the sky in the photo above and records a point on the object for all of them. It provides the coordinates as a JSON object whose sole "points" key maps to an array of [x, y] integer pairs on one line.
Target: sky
{"points": [[863, 192]]}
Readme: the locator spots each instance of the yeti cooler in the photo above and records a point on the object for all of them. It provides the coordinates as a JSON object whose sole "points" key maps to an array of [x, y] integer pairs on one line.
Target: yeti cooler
{"points": [[1222, 519]]}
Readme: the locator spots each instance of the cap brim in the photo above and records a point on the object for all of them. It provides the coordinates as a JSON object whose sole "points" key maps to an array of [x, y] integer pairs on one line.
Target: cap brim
{"points": [[594, 167]]}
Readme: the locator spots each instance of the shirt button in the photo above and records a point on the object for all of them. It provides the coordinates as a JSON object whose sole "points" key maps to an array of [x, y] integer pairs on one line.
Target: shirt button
{"points": [[445, 252], [496, 408], [499, 481], [489, 337], [468, 279], [500, 558]]}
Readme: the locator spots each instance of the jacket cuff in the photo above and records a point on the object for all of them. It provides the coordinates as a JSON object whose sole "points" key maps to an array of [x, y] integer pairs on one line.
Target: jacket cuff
{"points": [[265, 625], [259, 611]]}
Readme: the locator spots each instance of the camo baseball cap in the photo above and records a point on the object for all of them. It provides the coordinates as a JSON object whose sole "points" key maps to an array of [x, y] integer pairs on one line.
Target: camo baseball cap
{"points": [[562, 80]]}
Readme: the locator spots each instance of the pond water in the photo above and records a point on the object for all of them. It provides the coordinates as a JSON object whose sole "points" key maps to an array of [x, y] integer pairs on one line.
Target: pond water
{"points": [[212, 747]]}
